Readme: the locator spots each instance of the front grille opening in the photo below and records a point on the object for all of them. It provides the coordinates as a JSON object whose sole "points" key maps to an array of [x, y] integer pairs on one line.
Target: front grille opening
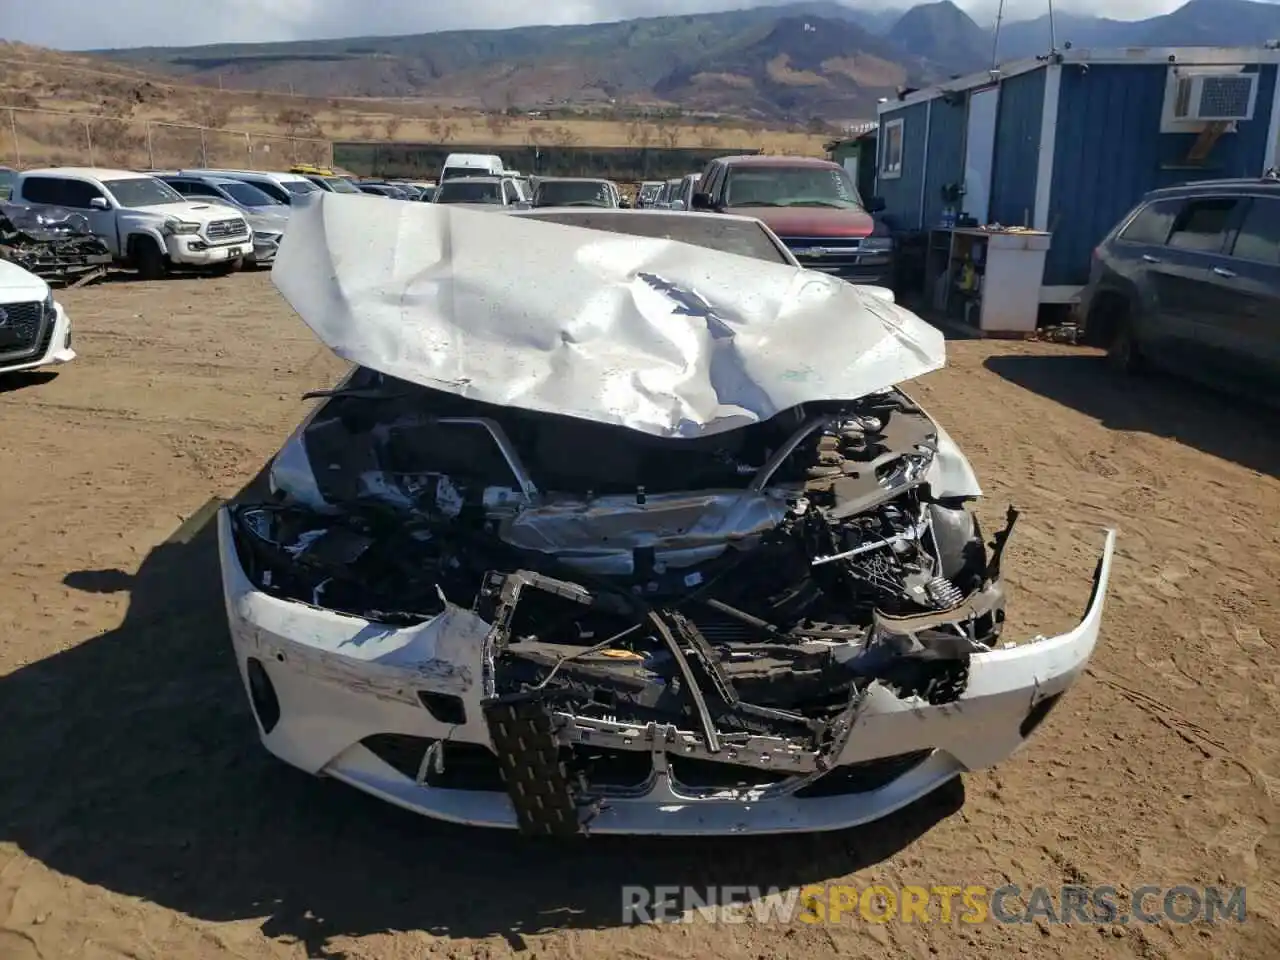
{"points": [[26, 331], [1038, 714], [262, 695], [712, 775], [607, 767], [444, 707], [222, 229], [467, 766], [863, 777]]}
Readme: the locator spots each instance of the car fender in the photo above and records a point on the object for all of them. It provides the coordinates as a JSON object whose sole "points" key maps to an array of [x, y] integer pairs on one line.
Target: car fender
{"points": [[132, 223], [951, 475]]}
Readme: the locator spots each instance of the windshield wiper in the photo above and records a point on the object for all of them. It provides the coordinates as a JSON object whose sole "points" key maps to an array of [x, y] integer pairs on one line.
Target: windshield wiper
{"points": [[820, 203], [757, 203]]}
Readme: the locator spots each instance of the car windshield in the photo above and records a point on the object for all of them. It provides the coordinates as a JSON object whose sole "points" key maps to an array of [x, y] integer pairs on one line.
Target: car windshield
{"points": [[791, 187], [249, 195], [469, 191], [142, 192], [747, 238], [270, 188], [451, 173], [572, 193], [300, 187], [341, 185]]}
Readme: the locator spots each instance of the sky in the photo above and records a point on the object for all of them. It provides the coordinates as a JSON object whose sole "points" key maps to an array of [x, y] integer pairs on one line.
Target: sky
{"points": [[98, 24]]}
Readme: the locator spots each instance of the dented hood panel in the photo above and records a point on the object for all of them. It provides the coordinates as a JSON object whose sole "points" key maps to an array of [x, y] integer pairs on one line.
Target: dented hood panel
{"points": [[655, 335]]}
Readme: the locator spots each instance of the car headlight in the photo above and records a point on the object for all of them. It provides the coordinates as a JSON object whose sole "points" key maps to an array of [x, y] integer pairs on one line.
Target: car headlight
{"points": [[181, 227], [877, 245]]}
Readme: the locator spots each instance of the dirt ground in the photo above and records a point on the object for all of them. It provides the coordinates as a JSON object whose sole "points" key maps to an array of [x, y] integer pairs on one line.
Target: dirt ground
{"points": [[140, 818]]}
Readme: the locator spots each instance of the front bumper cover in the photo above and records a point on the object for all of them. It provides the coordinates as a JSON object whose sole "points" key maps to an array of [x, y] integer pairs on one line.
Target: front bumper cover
{"points": [[54, 347], [333, 682], [195, 251]]}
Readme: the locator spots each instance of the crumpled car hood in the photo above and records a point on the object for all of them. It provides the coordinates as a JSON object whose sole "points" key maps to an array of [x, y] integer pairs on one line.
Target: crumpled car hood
{"points": [[659, 336]]}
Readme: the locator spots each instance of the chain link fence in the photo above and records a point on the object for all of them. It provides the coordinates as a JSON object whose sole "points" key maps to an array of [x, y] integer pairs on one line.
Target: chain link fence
{"points": [[37, 138]]}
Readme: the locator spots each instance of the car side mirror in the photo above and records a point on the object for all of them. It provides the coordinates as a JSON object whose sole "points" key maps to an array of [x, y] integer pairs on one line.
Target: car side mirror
{"points": [[875, 204], [677, 204], [99, 203], [702, 201], [624, 203]]}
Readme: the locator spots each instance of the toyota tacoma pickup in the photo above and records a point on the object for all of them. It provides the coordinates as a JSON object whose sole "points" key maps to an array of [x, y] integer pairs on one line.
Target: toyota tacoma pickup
{"points": [[146, 224]]}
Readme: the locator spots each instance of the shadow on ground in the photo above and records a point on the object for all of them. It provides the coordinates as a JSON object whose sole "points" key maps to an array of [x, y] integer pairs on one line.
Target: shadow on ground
{"points": [[9, 382], [1161, 405], [141, 773], [176, 273]]}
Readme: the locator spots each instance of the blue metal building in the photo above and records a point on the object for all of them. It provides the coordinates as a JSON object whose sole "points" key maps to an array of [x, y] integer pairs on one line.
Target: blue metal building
{"points": [[1068, 142]]}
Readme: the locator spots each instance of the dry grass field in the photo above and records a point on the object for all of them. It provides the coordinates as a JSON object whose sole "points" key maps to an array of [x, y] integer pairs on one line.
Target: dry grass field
{"points": [[114, 115]]}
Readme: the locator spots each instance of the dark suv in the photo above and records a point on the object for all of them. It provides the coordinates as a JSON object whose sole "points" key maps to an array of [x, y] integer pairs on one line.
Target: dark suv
{"points": [[1189, 280]]}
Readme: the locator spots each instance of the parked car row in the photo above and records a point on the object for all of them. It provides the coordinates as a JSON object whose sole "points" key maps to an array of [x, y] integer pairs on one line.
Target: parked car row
{"points": [[674, 194], [201, 218]]}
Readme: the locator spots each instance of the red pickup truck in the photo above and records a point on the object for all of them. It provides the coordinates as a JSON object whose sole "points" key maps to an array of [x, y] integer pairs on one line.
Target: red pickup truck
{"points": [[812, 205]]}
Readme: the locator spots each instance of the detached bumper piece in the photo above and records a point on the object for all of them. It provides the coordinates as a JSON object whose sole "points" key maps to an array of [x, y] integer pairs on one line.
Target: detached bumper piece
{"points": [[529, 761]]}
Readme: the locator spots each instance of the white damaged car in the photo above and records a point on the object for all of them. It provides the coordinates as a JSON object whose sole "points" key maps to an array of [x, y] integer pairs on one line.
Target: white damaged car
{"points": [[621, 524], [35, 330]]}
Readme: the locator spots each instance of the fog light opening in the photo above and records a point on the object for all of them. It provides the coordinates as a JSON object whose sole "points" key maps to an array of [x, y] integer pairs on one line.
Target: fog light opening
{"points": [[444, 707], [262, 695]]}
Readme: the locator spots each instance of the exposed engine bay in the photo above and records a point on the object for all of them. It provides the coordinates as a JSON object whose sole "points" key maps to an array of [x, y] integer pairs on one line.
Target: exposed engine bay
{"points": [[726, 600]]}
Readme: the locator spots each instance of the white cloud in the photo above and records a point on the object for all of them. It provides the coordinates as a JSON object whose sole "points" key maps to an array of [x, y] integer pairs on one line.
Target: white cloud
{"points": [[89, 24]]}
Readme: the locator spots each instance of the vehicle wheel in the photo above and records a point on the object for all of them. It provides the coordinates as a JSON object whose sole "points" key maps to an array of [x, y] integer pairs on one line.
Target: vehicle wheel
{"points": [[148, 258], [1123, 354]]}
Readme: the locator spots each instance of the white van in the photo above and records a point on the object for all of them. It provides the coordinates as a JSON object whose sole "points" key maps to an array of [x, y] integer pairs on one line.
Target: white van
{"points": [[471, 165]]}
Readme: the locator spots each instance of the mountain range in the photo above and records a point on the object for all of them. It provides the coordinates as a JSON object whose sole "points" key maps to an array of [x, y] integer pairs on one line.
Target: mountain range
{"points": [[821, 58]]}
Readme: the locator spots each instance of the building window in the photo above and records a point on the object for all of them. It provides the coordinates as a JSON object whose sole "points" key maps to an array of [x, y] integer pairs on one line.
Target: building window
{"points": [[891, 152]]}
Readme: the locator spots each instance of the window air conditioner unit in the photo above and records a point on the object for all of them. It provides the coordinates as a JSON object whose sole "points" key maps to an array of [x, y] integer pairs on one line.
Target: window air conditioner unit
{"points": [[1207, 97]]}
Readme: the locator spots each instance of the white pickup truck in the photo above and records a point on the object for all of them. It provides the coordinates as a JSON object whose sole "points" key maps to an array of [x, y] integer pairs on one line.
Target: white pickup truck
{"points": [[145, 222]]}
